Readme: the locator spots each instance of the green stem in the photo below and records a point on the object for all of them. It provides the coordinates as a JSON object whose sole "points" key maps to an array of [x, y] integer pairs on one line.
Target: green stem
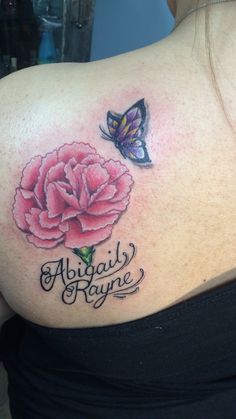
{"points": [[85, 253]]}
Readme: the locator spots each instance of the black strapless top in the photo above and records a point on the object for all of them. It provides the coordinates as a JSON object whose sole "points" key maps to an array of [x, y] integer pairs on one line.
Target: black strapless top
{"points": [[179, 363]]}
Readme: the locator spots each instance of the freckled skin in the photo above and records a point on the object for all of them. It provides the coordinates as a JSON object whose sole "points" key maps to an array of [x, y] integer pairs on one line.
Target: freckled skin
{"points": [[182, 209]]}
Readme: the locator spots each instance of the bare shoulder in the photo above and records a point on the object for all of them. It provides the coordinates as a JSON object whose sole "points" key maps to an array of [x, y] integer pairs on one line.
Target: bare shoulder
{"points": [[20, 90], [105, 183], [65, 192]]}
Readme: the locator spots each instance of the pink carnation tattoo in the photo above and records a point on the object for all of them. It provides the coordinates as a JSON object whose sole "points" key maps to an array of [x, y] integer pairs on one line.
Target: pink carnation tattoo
{"points": [[73, 196]]}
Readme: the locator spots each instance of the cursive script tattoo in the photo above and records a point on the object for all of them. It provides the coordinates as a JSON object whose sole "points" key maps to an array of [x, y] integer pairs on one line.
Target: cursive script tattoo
{"points": [[94, 282]]}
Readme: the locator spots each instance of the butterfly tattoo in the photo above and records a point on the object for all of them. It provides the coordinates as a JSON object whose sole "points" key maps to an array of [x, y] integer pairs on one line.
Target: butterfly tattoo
{"points": [[126, 132]]}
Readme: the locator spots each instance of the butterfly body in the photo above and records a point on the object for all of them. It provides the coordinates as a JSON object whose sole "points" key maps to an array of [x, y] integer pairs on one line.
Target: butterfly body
{"points": [[126, 132]]}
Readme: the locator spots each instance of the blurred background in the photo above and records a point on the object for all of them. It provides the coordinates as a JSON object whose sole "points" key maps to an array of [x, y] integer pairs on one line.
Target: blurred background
{"points": [[124, 25], [34, 32]]}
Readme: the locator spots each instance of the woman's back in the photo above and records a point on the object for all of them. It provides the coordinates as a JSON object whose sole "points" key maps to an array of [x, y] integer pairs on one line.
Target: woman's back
{"points": [[118, 213], [178, 212]]}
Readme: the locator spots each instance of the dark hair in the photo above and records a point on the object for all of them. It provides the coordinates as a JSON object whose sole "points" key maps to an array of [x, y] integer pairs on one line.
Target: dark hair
{"points": [[210, 55]]}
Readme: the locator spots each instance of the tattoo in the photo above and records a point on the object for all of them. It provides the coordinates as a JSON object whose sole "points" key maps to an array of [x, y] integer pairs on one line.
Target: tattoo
{"points": [[94, 282], [71, 196], [126, 132]]}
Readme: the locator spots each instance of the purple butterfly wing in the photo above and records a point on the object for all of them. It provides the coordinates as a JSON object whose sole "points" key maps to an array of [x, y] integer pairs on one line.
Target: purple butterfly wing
{"points": [[129, 132], [131, 123], [126, 131], [136, 151], [113, 122]]}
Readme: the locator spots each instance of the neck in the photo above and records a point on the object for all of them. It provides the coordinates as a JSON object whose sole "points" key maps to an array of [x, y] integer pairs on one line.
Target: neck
{"points": [[187, 7], [220, 17]]}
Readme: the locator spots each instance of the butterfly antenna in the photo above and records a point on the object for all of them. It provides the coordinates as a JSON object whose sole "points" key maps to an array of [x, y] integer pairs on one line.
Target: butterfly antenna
{"points": [[105, 136]]}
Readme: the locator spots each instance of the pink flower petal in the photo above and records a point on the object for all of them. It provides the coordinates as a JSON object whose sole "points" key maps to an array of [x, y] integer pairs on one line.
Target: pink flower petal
{"points": [[91, 222], [92, 158], [107, 193], [75, 177], [114, 212], [32, 219], [64, 226], [20, 207], [47, 222], [27, 194], [84, 194], [123, 186], [44, 244], [68, 198], [84, 198], [94, 179], [72, 162], [55, 202], [47, 162], [96, 176], [30, 173], [66, 186], [115, 169], [70, 213], [56, 173], [75, 238], [71, 192], [70, 176], [76, 150], [103, 207]]}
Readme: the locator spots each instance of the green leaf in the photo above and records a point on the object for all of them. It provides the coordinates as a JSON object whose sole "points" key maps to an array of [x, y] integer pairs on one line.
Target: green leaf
{"points": [[85, 253]]}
